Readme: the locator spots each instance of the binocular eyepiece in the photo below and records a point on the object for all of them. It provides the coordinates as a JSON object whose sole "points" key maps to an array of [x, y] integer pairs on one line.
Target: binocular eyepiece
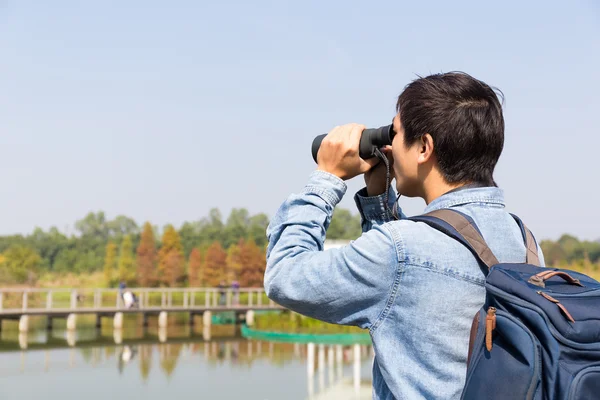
{"points": [[370, 140]]}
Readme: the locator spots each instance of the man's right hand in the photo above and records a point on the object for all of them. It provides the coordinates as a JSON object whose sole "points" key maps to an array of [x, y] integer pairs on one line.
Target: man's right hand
{"points": [[375, 178]]}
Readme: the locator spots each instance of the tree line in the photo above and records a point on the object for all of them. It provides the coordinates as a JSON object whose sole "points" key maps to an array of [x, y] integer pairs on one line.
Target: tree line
{"points": [[199, 253], [204, 252]]}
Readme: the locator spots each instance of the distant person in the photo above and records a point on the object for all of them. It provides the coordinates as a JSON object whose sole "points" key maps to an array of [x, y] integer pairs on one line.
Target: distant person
{"points": [[413, 287], [235, 285], [222, 293]]}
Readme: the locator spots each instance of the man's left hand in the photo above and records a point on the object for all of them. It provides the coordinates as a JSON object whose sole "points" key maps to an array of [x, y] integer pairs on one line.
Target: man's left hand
{"points": [[339, 152]]}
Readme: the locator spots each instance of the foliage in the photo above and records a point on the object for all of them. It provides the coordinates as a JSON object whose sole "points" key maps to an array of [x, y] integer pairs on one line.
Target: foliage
{"points": [[110, 263], [170, 258], [126, 261], [21, 264], [215, 265], [146, 257], [196, 268]]}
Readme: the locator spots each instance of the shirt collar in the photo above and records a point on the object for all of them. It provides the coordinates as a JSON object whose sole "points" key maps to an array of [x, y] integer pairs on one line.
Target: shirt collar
{"points": [[489, 195]]}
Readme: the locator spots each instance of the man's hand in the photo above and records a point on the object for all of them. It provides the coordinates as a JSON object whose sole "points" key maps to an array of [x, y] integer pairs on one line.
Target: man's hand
{"points": [[338, 153], [375, 178]]}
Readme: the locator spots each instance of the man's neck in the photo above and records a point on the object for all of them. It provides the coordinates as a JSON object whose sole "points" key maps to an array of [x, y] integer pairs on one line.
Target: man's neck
{"points": [[435, 186]]}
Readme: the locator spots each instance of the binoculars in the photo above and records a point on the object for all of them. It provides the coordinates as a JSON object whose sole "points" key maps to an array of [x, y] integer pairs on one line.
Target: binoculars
{"points": [[370, 140]]}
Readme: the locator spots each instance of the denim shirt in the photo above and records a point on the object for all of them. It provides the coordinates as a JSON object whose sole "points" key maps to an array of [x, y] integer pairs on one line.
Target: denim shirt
{"points": [[415, 289]]}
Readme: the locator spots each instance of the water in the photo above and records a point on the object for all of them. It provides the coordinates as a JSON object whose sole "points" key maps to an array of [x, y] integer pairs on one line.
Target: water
{"points": [[179, 363]]}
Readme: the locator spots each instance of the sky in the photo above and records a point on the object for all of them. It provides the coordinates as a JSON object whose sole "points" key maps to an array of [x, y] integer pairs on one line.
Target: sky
{"points": [[163, 110]]}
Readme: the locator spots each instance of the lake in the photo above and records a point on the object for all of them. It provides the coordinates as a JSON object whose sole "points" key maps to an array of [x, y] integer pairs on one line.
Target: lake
{"points": [[178, 363]]}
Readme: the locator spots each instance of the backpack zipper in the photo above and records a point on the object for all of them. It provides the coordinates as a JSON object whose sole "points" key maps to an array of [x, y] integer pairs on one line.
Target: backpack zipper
{"points": [[562, 308], [490, 325]]}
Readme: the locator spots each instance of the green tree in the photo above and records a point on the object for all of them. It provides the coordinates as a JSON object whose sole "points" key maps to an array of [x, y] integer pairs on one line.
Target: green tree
{"points": [[146, 257], [110, 264], [126, 262], [170, 258], [236, 227], [257, 231], [22, 264], [343, 225]]}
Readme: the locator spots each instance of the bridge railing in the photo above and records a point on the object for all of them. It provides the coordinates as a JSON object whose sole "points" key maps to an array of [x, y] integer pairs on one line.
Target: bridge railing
{"points": [[97, 299]]}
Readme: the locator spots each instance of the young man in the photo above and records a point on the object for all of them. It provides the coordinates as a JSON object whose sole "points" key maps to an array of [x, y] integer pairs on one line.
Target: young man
{"points": [[415, 289]]}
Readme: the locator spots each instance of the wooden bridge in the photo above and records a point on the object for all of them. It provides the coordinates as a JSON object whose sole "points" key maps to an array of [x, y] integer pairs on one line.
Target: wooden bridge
{"points": [[20, 304]]}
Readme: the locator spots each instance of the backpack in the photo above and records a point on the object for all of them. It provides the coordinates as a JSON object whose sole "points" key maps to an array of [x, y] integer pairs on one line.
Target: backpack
{"points": [[537, 335]]}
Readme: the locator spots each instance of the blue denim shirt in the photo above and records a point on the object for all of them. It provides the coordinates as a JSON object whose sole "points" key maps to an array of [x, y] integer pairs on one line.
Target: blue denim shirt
{"points": [[415, 289]]}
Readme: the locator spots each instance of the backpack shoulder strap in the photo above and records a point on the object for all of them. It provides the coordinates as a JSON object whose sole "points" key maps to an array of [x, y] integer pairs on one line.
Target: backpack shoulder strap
{"points": [[530, 243], [462, 228]]}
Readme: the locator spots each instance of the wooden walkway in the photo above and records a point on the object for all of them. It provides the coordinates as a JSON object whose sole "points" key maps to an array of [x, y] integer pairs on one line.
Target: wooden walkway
{"points": [[64, 303]]}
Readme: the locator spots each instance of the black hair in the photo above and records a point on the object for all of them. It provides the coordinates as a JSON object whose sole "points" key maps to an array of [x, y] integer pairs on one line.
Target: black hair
{"points": [[464, 117]]}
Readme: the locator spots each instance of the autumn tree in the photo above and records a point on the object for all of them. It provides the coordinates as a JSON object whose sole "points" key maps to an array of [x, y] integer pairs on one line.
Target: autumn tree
{"points": [[126, 262], [254, 264], [170, 258], [235, 261], [215, 265], [196, 268], [146, 257], [110, 263]]}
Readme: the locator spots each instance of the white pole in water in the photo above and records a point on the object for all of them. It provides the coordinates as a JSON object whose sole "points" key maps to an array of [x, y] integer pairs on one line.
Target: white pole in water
{"points": [[24, 323], [310, 368], [162, 319], [330, 371], [321, 367], [71, 322], [357, 369], [339, 360], [118, 321]]}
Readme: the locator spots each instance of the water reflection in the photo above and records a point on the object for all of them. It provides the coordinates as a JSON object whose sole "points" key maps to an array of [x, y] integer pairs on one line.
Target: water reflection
{"points": [[330, 371]]}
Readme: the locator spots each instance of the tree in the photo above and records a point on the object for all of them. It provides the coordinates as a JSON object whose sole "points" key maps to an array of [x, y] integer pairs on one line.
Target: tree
{"points": [[236, 227], [170, 258], [343, 225], [146, 257], [22, 264], [253, 271], [235, 260], [196, 268], [110, 264], [126, 263], [215, 265], [257, 231]]}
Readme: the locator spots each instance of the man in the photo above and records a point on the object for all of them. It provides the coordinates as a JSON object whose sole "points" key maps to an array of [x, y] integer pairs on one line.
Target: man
{"points": [[415, 289]]}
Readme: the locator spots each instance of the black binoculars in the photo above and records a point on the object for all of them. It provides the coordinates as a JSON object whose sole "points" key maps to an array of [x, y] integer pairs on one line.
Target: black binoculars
{"points": [[370, 140]]}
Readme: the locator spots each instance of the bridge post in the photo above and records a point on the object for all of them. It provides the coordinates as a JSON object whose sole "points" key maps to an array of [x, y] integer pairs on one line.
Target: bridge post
{"points": [[207, 318], [145, 318], [118, 321], [207, 298], [24, 323], [250, 317], [73, 299], [71, 322], [163, 299], [49, 323], [98, 321], [162, 319], [25, 300], [49, 300], [185, 299], [249, 298], [259, 294]]}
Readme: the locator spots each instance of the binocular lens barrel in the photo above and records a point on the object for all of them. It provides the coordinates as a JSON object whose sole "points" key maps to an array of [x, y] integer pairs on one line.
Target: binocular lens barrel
{"points": [[370, 140]]}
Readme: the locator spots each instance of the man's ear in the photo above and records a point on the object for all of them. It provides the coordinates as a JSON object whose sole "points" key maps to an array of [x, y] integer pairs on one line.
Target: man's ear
{"points": [[425, 148]]}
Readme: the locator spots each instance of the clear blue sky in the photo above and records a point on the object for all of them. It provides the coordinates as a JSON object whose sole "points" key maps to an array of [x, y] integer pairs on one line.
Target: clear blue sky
{"points": [[163, 110]]}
